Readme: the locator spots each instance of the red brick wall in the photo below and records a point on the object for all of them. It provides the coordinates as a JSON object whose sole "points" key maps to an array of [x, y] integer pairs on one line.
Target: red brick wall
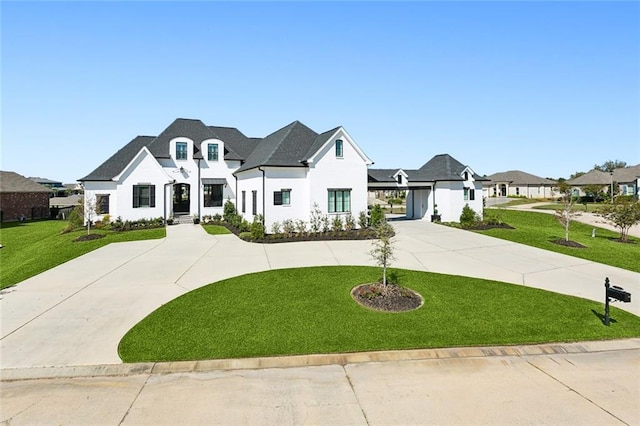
{"points": [[31, 205]]}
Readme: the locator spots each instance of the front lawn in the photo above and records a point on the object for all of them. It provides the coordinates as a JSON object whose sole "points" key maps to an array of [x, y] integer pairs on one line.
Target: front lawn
{"points": [[215, 229], [310, 310], [589, 207], [540, 229], [34, 247]]}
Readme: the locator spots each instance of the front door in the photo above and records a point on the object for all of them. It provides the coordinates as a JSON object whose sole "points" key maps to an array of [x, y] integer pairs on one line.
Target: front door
{"points": [[181, 198]]}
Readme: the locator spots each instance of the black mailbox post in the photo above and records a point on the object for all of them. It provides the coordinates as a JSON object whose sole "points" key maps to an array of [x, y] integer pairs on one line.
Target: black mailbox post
{"points": [[613, 292]]}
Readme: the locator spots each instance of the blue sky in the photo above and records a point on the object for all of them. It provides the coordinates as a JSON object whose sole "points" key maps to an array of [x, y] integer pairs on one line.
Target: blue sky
{"points": [[549, 88]]}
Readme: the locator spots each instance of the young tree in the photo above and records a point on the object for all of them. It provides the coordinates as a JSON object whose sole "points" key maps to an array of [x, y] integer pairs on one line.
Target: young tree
{"points": [[594, 190], [566, 213], [89, 212], [623, 216], [383, 250]]}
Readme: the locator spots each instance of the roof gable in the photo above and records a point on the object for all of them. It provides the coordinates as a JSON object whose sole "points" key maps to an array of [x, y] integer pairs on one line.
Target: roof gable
{"points": [[118, 161]]}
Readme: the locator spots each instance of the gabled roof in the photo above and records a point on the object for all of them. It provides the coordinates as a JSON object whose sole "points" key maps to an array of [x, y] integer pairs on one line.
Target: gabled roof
{"points": [[320, 140], [118, 161], [285, 147], [13, 182], [517, 177], [442, 167], [290, 146]]}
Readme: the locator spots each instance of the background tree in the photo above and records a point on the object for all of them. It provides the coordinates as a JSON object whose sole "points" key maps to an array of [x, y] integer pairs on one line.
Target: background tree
{"points": [[609, 166], [622, 215], [594, 190], [566, 213], [383, 250]]}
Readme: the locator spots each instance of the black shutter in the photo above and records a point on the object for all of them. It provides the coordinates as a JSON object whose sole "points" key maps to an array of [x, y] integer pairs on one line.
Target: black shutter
{"points": [[472, 194], [136, 196], [277, 198], [152, 195]]}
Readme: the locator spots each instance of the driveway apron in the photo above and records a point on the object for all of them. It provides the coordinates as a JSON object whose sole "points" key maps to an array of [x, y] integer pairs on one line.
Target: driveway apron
{"points": [[76, 313]]}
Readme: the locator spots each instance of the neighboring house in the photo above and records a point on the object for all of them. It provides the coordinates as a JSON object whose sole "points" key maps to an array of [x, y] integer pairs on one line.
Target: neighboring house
{"points": [[627, 180], [22, 198], [192, 169], [519, 184], [443, 182]]}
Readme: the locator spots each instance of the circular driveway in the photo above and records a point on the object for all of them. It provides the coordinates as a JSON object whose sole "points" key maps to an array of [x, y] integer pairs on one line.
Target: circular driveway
{"points": [[76, 313]]}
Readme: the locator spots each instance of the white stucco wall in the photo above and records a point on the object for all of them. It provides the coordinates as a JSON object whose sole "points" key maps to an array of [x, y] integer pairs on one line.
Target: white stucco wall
{"points": [[348, 172]]}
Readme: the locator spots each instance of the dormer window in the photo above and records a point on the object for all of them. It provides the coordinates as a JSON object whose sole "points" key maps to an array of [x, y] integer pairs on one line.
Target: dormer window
{"points": [[212, 152], [400, 179], [466, 176], [339, 147], [181, 150]]}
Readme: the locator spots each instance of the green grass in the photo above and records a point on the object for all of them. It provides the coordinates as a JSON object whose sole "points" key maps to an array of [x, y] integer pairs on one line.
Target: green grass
{"points": [[589, 207], [216, 229], [310, 310], [34, 247], [540, 229], [518, 201]]}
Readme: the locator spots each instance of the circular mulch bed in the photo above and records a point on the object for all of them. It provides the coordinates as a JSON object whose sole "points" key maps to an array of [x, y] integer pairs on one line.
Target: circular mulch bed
{"points": [[569, 243], [89, 237], [391, 298], [618, 240]]}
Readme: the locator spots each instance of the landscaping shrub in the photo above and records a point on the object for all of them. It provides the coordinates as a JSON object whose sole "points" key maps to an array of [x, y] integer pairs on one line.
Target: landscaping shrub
{"points": [[301, 226], [349, 222], [275, 228], [468, 217], [257, 227], [362, 219], [288, 227], [376, 215], [336, 224], [315, 221]]}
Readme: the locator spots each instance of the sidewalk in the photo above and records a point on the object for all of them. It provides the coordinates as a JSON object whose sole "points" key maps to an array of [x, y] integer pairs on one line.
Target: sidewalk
{"points": [[585, 383]]}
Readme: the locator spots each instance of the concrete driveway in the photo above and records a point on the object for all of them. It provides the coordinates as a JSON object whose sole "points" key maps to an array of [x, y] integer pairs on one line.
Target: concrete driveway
{"points": [[60, 332], [76, 313]]}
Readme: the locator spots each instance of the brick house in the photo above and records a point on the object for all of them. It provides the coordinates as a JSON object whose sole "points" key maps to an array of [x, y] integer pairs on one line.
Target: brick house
{"points": [[22, 198]]}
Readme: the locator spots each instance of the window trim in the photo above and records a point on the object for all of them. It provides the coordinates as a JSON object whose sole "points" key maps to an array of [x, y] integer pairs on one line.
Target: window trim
{"points": [[332, 203], [279, 198], [137, 197], [99, 203], [216, 152], [339, 148], [209, 197], [179, 152]]}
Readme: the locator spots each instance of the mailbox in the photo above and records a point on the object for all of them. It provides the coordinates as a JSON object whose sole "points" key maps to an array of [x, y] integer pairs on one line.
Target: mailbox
{"points": [[618, 293]]}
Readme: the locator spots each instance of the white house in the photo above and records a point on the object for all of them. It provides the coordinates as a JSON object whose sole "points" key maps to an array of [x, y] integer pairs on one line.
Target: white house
{"points": [[443, 184], [192, 169]]}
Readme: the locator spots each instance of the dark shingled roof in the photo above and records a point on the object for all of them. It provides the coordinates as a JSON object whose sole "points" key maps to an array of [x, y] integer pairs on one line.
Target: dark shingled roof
{"points": [[118, 161], [382, 175], [290, 146], [439, 168], [285, 147], [237, 145], [13, 182], [192, 129]]}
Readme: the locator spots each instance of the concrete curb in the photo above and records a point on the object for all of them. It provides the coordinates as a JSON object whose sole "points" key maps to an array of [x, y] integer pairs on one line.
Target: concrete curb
{"points": [[106, 370]]}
